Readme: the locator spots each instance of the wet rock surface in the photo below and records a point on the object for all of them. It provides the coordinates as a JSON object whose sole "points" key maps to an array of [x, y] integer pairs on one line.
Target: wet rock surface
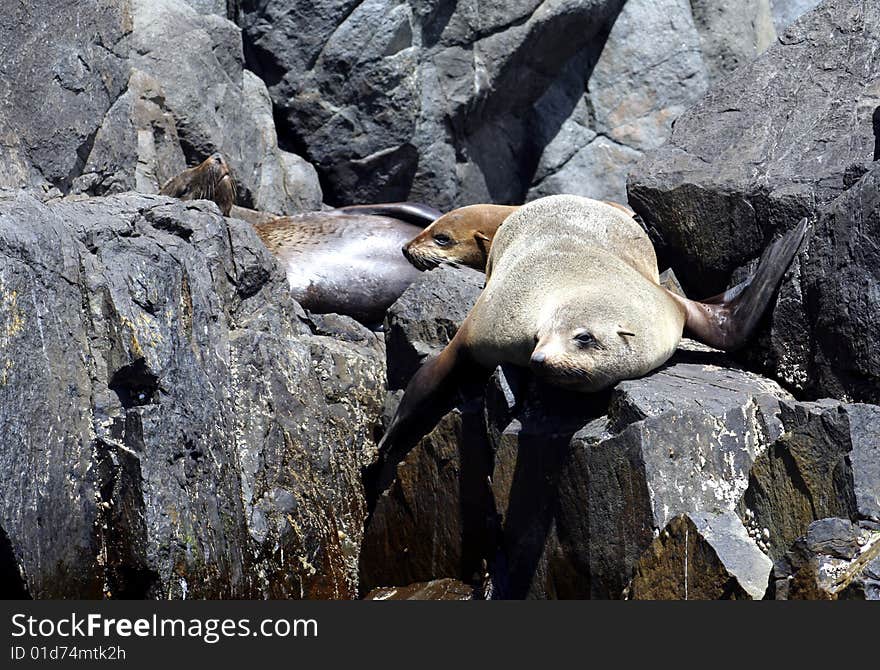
{"points": [[173, 428]]}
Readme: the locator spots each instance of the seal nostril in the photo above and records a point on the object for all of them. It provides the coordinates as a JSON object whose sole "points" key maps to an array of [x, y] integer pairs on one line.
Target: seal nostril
{"points": [[538, 358]]}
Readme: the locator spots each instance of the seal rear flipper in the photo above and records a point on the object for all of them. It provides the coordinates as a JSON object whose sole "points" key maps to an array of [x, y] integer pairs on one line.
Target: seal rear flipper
{"points": [[726, 321], [410, 212]]}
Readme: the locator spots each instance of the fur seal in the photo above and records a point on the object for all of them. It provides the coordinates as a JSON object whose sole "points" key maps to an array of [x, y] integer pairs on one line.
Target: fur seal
{"points": [[345, 260], [340, 261], [572, 293], [464, 236], [209, 180]]}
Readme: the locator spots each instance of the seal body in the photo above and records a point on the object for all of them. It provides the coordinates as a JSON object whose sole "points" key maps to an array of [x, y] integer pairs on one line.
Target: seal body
{"points": [[342, 262], [572, 291], [209, 180]]}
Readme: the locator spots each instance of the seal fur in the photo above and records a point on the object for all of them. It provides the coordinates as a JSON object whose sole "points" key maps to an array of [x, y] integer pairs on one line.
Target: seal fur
{"points": [[209, 180]]}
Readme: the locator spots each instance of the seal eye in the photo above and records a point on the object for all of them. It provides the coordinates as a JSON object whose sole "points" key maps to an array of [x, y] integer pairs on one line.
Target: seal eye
{"points": [[585, 339], [442, 239]]}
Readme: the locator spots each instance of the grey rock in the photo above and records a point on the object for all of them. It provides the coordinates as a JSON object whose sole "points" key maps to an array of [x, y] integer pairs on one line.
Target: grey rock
{"points": [[738, 169], [786, 12], [461, 102], [49, 63], [218, 106], [173, 426], [426, 317], [834, 560], [137, 147]]}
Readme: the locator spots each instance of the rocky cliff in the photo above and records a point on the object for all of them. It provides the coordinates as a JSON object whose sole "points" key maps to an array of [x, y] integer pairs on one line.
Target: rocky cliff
{"points": [[173, 424]]}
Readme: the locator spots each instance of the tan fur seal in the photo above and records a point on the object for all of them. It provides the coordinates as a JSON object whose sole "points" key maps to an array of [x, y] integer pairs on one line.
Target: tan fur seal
{"points": [[464, 236], [209, 180], [572, 293]]}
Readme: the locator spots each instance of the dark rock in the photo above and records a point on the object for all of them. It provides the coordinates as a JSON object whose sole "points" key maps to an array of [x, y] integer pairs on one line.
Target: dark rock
{"points": [[835, 560], [173, 427], [737, 170], [460, 102], [706, 558], [438, 589], [426, 317], [823, 466], [435, 520]]}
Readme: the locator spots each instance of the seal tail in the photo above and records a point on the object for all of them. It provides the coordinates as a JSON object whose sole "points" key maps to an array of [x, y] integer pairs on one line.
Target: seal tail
{"points": [[409, 212], [727, 320]]}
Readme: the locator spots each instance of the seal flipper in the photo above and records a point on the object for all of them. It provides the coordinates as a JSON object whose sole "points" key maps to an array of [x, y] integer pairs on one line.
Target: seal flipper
{"points": [[410, 212], [727, 320], [430, 394]]}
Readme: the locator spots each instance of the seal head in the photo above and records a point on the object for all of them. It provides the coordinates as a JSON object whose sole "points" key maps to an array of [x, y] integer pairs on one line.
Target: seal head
{"points": [[462, 236], [209, 180]]}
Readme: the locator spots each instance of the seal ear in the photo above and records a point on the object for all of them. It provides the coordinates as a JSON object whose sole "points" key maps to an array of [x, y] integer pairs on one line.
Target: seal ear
{"points": [[484, 243], [726, 321]]}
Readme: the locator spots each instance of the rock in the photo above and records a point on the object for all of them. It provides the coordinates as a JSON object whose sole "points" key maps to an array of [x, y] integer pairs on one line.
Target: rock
{"points": [[426, 317], [737, 170], [438, 589], [707, 558], [136, 147], [155, 85], [48, 63], [823, 466], [173, 426], [461, 102], [786, 12], [219, 106], [834, 560]]}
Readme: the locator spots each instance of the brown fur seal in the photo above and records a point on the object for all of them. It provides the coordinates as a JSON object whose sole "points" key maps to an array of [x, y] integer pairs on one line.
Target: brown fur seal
{"points": [[572, 293], [464, 236], [342, 262], [209, 180]]}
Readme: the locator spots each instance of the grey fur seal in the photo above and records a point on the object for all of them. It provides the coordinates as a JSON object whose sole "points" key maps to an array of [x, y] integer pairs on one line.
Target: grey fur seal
{"points": [[345, 260], [342, 261], [464, 236], [572, 293]]}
